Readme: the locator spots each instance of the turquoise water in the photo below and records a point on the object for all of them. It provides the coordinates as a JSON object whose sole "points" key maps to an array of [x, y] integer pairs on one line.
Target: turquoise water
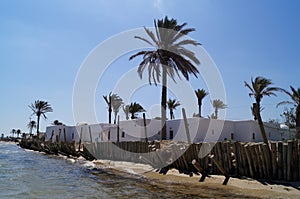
{"points": [[27, 174]]}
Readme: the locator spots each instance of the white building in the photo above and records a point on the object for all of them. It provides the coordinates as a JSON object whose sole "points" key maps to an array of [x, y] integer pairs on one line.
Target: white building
{"points": [[201, 129]]}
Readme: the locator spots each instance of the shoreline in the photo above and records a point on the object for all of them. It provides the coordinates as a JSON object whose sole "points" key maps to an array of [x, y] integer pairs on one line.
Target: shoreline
{"points": [[240, 187], [246, 187]]}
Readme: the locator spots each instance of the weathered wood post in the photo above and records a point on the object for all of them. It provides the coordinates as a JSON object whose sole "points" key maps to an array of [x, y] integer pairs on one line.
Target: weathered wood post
{"points": [[186, 126], [289, 160], [200, 169], [219, 166], [52, 134], [274, 160], [90, 132], [145, 127], [65, 136], [285, 161], [118, 129], [80, 138], [280, 160]]}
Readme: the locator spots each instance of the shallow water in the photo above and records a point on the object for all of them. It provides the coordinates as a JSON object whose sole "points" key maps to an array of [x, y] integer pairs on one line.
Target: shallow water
{"points": [[27, 174]]}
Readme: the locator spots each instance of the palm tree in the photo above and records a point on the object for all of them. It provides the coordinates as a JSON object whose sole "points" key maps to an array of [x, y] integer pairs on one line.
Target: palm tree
{"points": [[135, 108], [126, 111], [57, 123], [31, 125], [13, 132], [289, 117], [18, 132], [217, 104], [295, 100], [172, 105], [201, 94], [168, 58], [117, 102], [107, 99], [259, 88], [40, 108]]}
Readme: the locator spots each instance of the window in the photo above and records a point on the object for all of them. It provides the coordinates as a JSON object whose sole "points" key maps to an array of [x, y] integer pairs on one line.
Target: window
{"points": [[171, 134], [72, 136], [253, 136], [123, 134], [108, 137], [232, 136]]}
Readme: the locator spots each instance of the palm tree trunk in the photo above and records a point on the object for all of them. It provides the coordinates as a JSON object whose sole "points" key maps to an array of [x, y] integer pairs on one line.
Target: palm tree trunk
{"points": [[38, 126], [216, 113], [109, 114], [171, 114], [199, 104], [256, 106], [115, 117], [164, 103], [298, 122]]}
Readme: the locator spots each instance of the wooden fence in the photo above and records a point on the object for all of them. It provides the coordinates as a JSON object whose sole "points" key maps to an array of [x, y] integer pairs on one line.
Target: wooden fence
{"points": [[238, 159]]}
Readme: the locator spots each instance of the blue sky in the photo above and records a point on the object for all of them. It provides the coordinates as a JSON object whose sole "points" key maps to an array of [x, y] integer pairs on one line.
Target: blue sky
{"points": [[44, 43]]}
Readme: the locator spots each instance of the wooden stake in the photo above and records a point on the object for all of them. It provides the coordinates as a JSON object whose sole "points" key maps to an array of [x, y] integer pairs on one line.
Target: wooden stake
{"points": [[118, 129], [200, 169], [186, 126], [212, 157], [145, 127]]}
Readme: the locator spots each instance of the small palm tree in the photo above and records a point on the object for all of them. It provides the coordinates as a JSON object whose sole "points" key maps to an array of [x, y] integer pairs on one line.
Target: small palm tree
{"points": [[168, 58], [18, 132], [259, 88], [13, 132], [57, 123], [217, 104], [201, 94], [135, 108], [126, 111], [117, 102], [31, 125], [172, 105], [107, 99], [40, 108], [295, 100]]}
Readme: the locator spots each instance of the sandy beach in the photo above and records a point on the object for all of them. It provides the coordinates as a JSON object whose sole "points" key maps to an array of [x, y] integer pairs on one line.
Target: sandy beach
{"points": [[244, 187]]}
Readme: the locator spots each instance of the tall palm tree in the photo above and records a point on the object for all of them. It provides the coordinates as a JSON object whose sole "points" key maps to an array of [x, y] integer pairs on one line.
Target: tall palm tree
{"points": [[117, 102], [31, 125], [172, 105], [259, 88], [135, 108], [295, 100], [217, 104], [40, 108], [168, 58], [126, 111], [201, 94]]}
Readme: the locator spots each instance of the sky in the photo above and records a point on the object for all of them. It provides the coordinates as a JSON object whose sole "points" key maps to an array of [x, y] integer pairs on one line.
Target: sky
{"points": [[43, 45]]}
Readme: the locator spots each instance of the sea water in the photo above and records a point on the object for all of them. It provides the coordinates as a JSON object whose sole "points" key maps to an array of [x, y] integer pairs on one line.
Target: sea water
{"points": [[28, 174]]}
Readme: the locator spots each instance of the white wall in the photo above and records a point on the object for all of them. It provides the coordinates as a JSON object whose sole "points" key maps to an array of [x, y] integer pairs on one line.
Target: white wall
{"points": [[201, 129]]}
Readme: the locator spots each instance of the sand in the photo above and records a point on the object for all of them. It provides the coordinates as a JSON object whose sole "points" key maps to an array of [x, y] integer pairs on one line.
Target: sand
{"points": [[244, 187]]}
